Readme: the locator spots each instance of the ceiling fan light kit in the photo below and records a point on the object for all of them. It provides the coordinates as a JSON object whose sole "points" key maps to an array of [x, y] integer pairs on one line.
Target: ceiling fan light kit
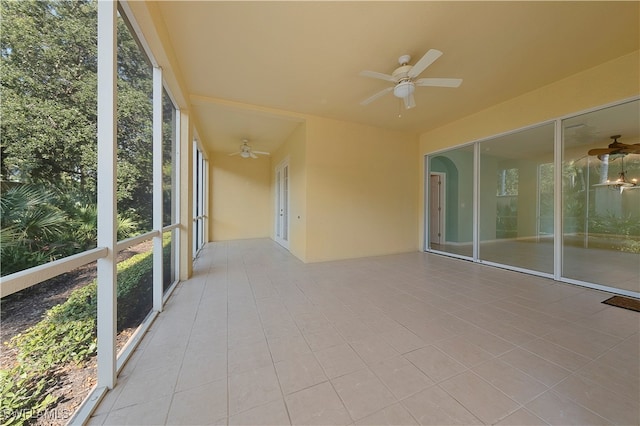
{"points": [[404, 79], [247, 152], [622, 150]]}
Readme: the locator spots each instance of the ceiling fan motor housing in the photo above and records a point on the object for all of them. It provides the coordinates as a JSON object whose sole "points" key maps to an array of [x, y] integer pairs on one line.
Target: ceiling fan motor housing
{"points": [[405, 85]]}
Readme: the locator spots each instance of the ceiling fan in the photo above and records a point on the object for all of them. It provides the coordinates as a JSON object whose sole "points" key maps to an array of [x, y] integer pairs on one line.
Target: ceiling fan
{"points": [[247, 152], [616, 148], [621, 150], [405, 79]]}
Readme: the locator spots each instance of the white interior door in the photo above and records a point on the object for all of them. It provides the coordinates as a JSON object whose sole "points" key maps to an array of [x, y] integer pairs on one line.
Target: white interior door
{"points": [[282, 204], [436, 208]]}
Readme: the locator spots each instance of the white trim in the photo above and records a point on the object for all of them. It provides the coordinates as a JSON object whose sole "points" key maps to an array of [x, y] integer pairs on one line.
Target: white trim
{"points": [[129, 242], [91, 401], [449, 254], [205, 200], [598, 108], [200, 199], [517, 269], [177, 192], [443, 205], [532, 126], [557, 201], [491, 137], [138, 32], [135, 339], [107, 206], [29, 277], [600, 287], [476, 202], [87, 406], [158, 206], [279, 170], [425, 203], [170, 290], [170, 227]]}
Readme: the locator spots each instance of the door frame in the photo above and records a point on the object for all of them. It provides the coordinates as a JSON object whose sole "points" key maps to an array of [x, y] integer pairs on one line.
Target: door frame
{"points": [[443, 206], [278, 203]]}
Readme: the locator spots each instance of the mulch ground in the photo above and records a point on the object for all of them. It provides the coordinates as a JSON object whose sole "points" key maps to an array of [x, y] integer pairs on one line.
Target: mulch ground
{"points": [[23, 309]]}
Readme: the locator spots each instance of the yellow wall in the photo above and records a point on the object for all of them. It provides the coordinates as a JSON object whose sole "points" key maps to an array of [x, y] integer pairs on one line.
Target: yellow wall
{"points": [[293, 150], [358, 191], [240, 198], [609, 82], [361, 186]]}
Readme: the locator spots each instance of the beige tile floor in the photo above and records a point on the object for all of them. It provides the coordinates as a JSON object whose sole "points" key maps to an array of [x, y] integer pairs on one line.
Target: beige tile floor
{"points": [[258, 337]]}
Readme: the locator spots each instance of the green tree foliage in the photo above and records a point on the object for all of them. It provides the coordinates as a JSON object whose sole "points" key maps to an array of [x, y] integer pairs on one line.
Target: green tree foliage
{"points": [[32, 228], [48, 105], [49, 59], [135, 117]]}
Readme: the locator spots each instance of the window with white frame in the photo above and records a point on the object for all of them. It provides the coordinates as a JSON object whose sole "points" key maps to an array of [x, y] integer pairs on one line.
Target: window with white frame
{"points": [[51, 297]]}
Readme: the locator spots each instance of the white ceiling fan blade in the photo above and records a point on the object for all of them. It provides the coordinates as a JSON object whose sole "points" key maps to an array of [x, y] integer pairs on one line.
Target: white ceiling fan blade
{"points": [[235, 153], [261, 152], [439, 82], [378, 75], [409, 101], [376, 96], [253, 155], [424, 62]]}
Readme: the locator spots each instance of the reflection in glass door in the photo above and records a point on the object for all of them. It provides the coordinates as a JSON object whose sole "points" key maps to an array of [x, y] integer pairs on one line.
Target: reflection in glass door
{"points": [[455, 167], [437, 189], [561, 199], [601, 219], [199, 199], [545, 200], [516, 199]]}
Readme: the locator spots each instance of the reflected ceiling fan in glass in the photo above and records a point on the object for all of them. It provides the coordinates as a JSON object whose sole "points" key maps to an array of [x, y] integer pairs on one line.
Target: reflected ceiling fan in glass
{"points": [[617, 149]]}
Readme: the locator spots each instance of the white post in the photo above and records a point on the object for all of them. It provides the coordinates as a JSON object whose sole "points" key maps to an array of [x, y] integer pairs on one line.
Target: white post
{"points": [[107, 208], [175, 199], [205, 201], [157, 190], [557, 203], [186, 196], [476, 202]]}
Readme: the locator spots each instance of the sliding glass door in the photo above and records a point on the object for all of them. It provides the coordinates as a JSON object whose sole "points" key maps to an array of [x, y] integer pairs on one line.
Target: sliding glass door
{"points": [[451, 201], [516, 199], [601, 218], [560, 199]]}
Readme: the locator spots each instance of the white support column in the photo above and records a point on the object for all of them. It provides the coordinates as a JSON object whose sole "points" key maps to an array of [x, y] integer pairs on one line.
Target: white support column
{"points": [[186, 196], [205, 200], [557, 203], [175, 199], [157, 189], [107, 208]]}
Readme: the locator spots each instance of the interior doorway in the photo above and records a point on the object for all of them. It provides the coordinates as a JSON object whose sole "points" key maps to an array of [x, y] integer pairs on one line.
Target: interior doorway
{"points": [[282, 204], [437, 208]]}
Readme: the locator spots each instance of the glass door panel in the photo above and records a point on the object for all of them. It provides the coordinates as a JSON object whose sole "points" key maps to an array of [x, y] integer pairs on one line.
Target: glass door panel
{"points": [[601, 218], [516, 199], [454, 207]]}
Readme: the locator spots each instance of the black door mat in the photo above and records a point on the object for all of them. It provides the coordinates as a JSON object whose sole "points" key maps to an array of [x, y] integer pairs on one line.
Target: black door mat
{"points": [[624, 302]]}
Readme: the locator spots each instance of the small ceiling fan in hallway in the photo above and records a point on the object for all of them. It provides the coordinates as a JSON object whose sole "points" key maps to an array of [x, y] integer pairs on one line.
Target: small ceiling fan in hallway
{"points": [[247, 152]]}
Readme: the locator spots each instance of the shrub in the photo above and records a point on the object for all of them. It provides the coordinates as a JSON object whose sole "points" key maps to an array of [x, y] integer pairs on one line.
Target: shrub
{"points": [[67, 334]]}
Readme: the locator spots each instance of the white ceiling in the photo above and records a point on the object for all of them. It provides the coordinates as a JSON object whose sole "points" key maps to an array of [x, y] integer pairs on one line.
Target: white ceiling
{"points": [[242, 60]]}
